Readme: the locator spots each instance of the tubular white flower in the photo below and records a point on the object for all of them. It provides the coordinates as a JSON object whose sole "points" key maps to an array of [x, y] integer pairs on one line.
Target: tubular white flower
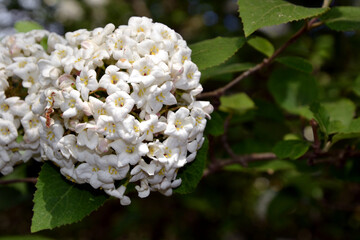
{"points": [[179, 124], [114, 80], [129, 153], [86, 81], [159, 96], [119, 104]]}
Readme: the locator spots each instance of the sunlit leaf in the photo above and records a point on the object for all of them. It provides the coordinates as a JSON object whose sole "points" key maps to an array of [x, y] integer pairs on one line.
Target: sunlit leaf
{"points": [[256, 14], [213, 52]]}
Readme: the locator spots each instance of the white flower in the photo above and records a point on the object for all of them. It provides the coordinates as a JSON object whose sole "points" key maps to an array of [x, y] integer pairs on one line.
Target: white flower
{"points": [[119, 104], [129, 153], [130, 130], [114, 80], [97, 107], [143, 189], [119, 193], [22, 66], [72, 104], [51, 134], [119, 44], [139, 94], [67, 146], [8, 132], [143, 170], [151, 127], [108, 127], [149, 47], [87, 135], [31, 124], [75, 38], [159, 96], [140, 27], [86, 82], [179, 124], [165, 35], [61, 54], [146, 72], [190, 77]]}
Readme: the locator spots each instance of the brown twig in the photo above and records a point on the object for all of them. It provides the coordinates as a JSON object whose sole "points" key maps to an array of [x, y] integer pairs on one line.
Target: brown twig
{"points": [[317, 144], [267, 61], [25, 180]]}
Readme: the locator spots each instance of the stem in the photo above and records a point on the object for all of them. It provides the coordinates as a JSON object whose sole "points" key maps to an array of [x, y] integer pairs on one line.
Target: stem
{"points": [[11, 181], [267, 61], [317, 143]]}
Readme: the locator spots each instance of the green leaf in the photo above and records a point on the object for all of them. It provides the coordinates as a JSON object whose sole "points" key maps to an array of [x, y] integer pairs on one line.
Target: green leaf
{"points": [[293, 90], [215, 126], [236, 103], [321, 116], [292, 149], [27, 26], [58, 202], [192, 173], [296, 63], [353, 131], [341, 114], [219, 70], [335, 116], [210, 53], [262, 45], [256, 14], [343, 18]]}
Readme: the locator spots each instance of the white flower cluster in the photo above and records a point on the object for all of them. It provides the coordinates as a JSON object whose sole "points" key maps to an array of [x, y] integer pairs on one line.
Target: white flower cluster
{"points": [[108, 106]]}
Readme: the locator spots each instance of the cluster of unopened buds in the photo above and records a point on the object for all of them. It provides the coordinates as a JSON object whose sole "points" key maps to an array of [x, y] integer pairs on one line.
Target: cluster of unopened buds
{"points": [[108, 106]]}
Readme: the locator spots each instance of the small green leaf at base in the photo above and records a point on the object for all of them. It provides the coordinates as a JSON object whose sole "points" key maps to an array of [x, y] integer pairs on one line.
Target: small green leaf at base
{"points": [[210, 53], [292, 149], [27, 26], [256, 14], [58, 202], [192, 173]]}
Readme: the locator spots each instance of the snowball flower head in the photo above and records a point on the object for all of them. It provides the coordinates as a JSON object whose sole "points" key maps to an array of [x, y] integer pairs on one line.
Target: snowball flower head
{"points": [[107, 106]]}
